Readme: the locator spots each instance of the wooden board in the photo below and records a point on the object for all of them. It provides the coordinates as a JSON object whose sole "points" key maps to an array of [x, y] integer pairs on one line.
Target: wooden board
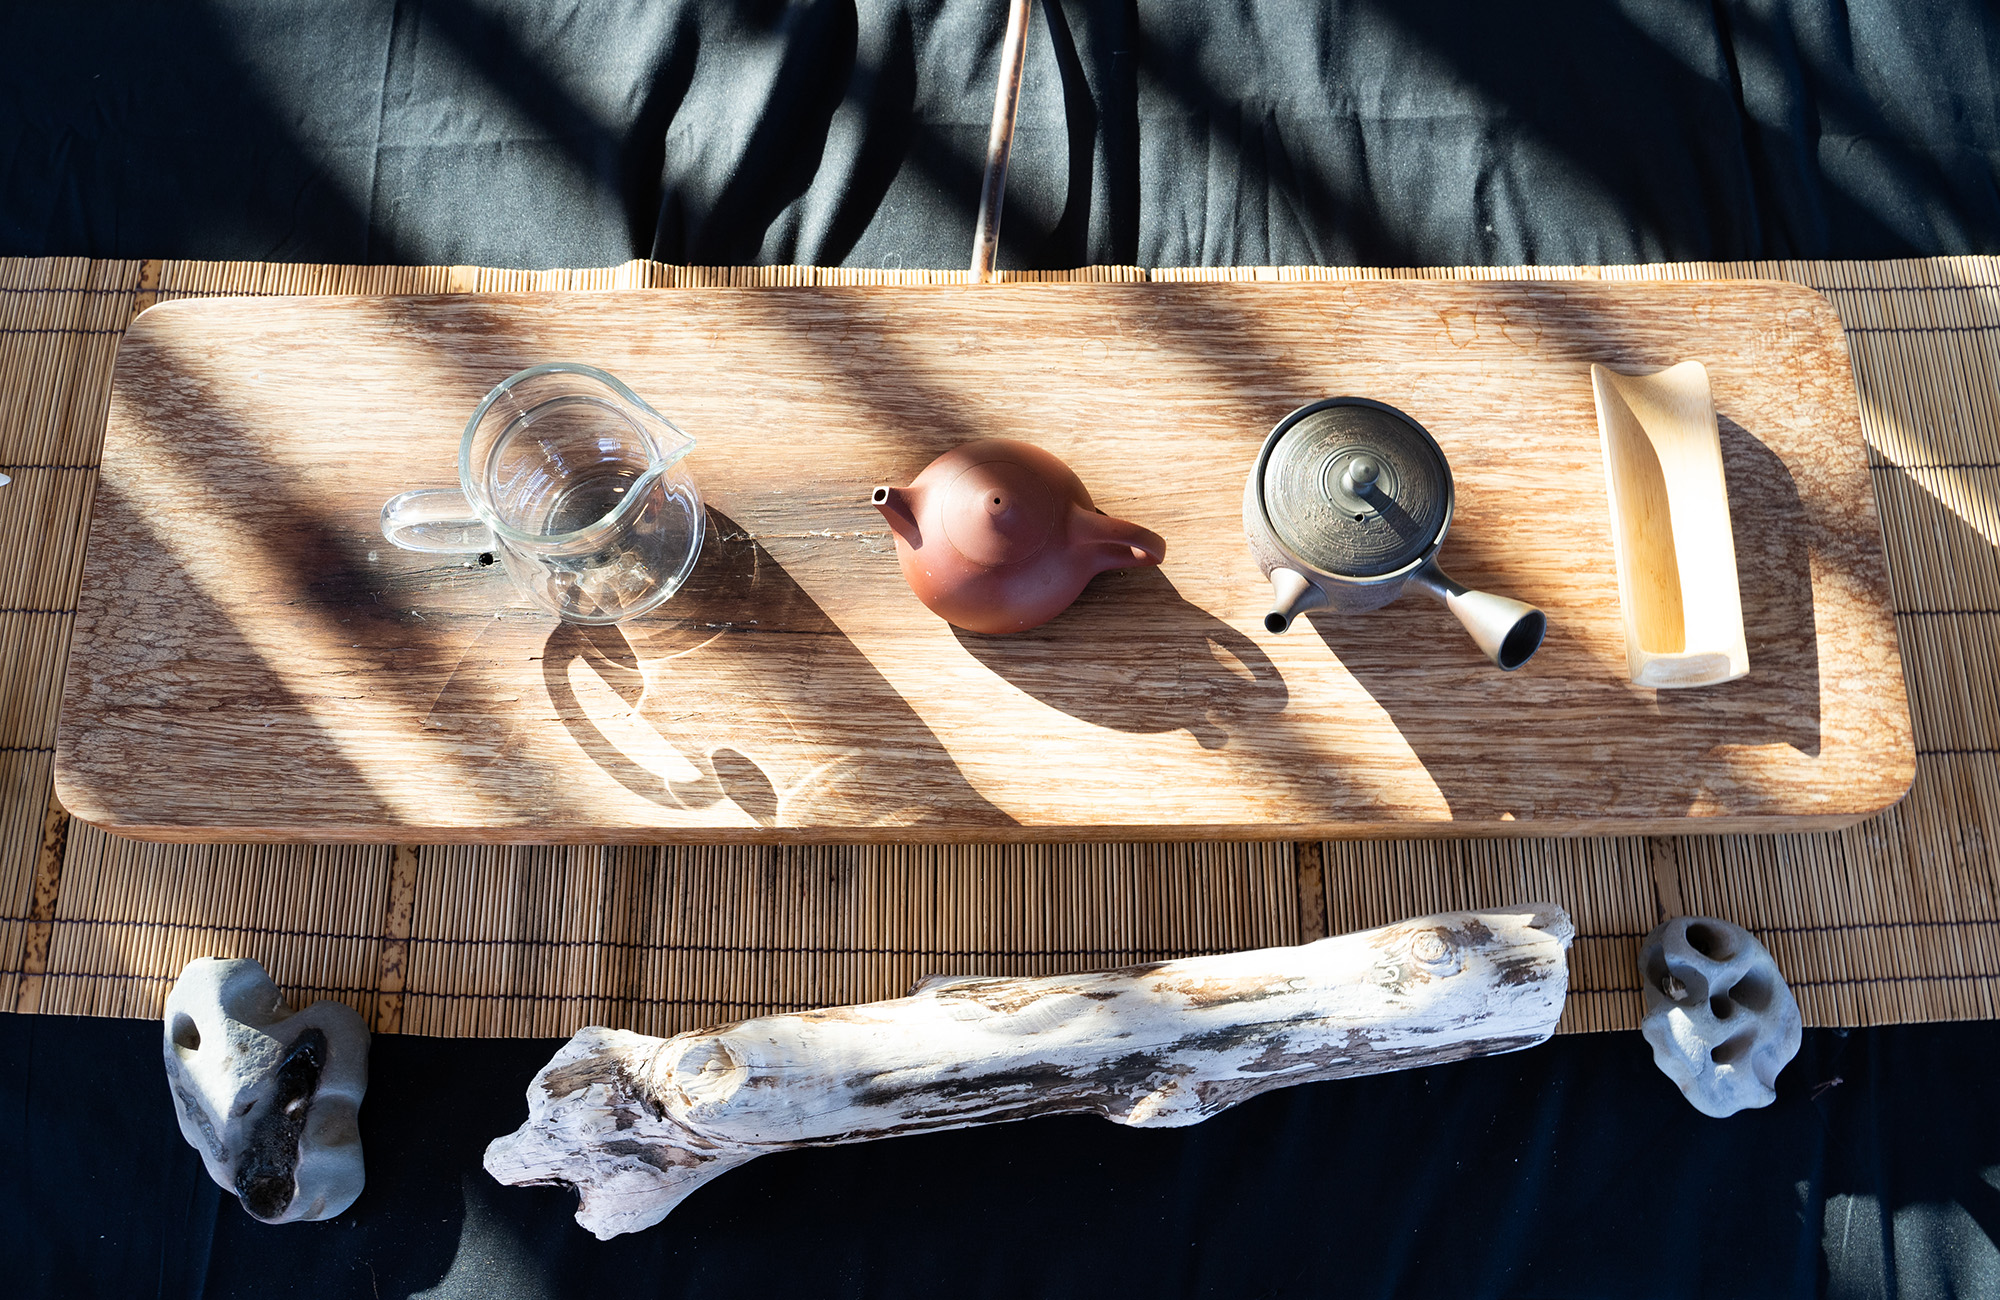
{"points": [[251, 661]]}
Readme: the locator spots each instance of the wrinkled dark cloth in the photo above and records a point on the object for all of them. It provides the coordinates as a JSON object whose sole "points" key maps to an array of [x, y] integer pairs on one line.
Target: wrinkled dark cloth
{"points": [[1573, 1169], [1253, 132], [1244, 132]]}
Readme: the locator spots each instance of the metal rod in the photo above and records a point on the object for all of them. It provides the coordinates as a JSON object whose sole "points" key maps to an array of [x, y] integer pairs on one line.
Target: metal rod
{"points": [[1000, 141]]}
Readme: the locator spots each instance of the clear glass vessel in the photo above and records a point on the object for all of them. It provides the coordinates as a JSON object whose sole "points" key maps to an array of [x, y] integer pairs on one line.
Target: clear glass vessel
{"points": [[575, 484]]}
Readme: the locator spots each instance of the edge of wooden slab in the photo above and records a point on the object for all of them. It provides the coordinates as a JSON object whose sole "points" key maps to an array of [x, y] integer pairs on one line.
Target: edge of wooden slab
{"points": [[1100, 832], [83, 806]]}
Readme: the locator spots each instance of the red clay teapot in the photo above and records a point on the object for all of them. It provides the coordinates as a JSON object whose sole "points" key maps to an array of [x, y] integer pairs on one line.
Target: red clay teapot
{"points": [[1000, 536]]}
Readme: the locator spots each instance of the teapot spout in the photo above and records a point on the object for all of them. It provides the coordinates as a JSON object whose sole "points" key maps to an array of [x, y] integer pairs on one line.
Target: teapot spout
{"points": [[900, 511], [1508, 631], [1292, 594]]}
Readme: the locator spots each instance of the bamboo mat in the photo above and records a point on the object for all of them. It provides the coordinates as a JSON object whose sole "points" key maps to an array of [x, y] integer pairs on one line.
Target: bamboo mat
{"points": [[1894, 920]]}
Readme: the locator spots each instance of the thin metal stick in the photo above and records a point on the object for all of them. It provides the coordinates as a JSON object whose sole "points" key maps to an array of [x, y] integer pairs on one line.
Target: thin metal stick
{"points": [[1000, 141]]}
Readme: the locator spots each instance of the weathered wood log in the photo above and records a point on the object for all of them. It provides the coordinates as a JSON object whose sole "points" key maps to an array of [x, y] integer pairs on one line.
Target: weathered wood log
{"points": [[635, 1123]]}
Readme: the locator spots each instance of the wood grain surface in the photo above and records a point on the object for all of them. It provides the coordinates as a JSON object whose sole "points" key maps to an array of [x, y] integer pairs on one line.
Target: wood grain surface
{"points": [[251, 661]]}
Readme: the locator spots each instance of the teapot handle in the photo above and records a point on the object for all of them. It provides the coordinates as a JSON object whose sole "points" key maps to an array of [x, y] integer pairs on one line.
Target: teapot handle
{"points": [[1126, 544]]}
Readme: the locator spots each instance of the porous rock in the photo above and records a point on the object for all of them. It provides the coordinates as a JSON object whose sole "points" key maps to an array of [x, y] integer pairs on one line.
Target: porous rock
{"points": [[269, 1097], [1719, 1016]]}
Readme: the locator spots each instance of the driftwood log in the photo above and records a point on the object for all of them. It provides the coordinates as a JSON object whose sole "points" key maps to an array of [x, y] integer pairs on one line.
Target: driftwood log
{"points": [[635, 1124]]}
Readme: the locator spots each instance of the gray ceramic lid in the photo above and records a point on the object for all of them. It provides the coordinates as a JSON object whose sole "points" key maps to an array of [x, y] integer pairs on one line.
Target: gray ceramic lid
{"points": [[1356, 488]]}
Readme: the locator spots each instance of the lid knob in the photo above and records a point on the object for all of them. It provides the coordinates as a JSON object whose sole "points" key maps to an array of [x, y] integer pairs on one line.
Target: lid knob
{"points": [[1360, 475]]}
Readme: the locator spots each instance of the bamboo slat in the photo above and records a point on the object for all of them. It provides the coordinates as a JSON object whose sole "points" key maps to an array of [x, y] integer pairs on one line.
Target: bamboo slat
{"points": [[24, 790], [537, 940], [132, 917], [1897, 919]]}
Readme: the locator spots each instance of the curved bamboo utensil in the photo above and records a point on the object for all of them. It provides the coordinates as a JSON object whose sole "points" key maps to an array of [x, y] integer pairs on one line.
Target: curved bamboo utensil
{"points": [[1670, 527]]}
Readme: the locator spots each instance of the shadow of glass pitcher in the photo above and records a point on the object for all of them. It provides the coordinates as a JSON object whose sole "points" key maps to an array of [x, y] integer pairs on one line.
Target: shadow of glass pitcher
{"points": [[576, 485]]}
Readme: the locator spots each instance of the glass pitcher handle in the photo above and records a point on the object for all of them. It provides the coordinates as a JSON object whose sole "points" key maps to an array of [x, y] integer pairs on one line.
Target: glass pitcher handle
{"points": [[438, 520]]}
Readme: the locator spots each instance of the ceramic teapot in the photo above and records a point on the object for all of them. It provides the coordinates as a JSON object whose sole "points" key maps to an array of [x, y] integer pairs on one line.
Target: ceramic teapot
{"points": [[1000, 536], [1347, 505]]}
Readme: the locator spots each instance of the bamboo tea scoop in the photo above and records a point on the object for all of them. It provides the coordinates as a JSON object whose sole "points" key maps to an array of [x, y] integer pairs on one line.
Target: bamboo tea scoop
{"points": [[1670, 527]]}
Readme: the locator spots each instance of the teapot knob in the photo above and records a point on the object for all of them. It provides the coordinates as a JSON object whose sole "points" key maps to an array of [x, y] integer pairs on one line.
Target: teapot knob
{"points": [[1360, 475]]}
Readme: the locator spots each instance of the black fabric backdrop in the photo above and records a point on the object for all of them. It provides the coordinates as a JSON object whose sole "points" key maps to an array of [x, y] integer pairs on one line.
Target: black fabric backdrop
{"points": [[833, 131], [1571, 1170], [838, 132]]}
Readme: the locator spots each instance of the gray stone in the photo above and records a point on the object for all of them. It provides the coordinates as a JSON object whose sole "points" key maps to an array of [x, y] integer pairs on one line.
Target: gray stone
{"points": [[1718, 1014], [269, 1097]]}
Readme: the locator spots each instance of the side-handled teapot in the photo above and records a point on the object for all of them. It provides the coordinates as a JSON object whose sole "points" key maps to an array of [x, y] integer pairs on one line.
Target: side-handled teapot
{"points": [[1347, 505], [1000, 536]]}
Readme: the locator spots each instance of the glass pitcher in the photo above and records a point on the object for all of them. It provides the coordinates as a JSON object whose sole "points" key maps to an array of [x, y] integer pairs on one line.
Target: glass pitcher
{"points": [[575, 484]]}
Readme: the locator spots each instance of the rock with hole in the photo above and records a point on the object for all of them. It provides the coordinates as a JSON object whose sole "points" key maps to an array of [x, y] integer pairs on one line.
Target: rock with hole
{"points": [[269, 1096], [1718, 1014]]}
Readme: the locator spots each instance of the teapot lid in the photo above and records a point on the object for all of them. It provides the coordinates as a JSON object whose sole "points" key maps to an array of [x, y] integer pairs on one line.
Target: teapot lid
{"points": [[1354, 487], [998, 512]]}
